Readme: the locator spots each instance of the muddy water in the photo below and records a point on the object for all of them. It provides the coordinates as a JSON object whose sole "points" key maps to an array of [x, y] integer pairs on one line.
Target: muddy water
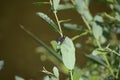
{"points": [[17, 48]]}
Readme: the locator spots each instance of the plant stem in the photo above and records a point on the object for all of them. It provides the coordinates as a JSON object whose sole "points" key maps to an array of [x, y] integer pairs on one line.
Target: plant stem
{"points": [[98, 43], [55, 13], [108, 65], [78, 36], [71, 75], [87, 24]]}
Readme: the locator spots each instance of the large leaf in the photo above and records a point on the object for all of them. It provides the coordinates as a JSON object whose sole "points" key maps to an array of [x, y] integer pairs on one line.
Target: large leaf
{"points": [[55, 4], [48, 20], [68, 53], [1, 64]]}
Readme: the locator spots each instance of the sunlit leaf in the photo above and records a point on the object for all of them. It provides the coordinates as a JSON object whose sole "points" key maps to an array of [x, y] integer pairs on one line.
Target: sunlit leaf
{"points": [[48, 20], [56, 72], [1, 64], [55, 4], [68, 53], [18, 78], [40, 3]]}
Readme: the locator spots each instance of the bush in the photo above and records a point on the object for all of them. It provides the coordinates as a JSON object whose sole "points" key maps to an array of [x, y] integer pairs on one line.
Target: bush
{"points": [[102, 31]]}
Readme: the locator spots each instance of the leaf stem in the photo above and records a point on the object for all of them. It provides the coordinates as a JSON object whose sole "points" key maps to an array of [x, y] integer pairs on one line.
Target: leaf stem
{"points": [[98, 43], [55, 13], [71, 75]]}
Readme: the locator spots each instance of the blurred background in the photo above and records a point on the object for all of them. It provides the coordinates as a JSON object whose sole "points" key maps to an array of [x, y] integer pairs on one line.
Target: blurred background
{"points": [[18, 50]]}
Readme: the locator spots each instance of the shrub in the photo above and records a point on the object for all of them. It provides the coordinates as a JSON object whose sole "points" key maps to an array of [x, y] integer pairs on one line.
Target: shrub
{"points": [[102, 31]]}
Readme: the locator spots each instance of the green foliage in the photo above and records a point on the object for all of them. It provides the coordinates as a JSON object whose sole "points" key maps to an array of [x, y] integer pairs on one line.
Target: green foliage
{"points": [[102, 29]]}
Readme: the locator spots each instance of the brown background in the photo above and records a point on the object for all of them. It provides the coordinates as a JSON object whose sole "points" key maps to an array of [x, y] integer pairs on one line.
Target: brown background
{"points": [[17, 49]]}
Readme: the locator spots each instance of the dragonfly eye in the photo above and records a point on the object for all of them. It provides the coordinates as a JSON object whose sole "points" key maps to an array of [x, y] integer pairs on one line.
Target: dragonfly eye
{"points": [[60, 40]]}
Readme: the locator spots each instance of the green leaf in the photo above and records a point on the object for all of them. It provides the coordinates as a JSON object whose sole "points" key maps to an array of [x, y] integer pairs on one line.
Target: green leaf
{"points": [[1, 64], [18, 78], [73, 26], [68, 53], [56, 72], [49, 21], [98, 18], [40, 3], [82, 8], [77, 73], [52, 53], [97, 31], [55, 4], [54, 44], [65, 6]]}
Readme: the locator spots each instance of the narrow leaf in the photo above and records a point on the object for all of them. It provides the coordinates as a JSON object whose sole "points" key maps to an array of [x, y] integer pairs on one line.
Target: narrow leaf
{"points": [[97, 59], [65, 6], [68, 53], [42, 43], [73, 26], [48, 20], [40, 3]]}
